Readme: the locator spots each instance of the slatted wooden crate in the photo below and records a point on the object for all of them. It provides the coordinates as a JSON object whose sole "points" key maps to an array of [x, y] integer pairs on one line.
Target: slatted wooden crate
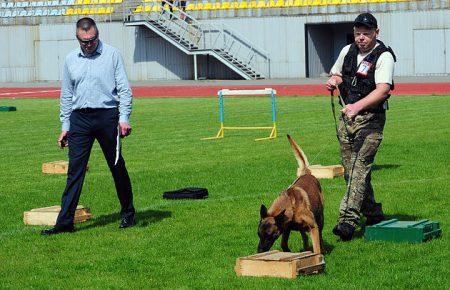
{"points": [[280, 264], [47, 215], [56, 167], [329, 171]]}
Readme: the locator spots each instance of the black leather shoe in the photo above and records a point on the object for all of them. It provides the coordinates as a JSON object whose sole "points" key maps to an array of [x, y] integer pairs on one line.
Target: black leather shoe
{"points": [[374, 220], [344, 231], [58, 230], [127, 222]]}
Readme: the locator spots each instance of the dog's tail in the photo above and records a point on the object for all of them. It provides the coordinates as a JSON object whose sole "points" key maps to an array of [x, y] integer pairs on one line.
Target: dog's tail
{"points": [[303, 164]]}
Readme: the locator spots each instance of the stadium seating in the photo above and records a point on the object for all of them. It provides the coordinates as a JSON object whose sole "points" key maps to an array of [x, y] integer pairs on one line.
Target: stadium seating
{"points": [[204, 5], [32, 8], [56, 8]]}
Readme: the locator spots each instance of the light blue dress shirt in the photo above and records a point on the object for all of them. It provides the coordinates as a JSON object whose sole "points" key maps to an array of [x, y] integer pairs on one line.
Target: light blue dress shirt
{"points": [[95, 81]]}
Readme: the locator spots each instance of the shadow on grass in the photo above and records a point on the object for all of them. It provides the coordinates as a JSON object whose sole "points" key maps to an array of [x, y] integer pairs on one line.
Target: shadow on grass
{"points": [[402, 217], [143, 218], [385, 166], [327, 248]]}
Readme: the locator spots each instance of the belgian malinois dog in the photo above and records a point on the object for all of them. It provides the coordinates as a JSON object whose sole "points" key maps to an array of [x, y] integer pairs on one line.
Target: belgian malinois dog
{"points": [[299, 208]]}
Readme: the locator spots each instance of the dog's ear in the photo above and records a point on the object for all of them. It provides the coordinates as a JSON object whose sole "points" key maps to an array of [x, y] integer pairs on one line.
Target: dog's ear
{"points": [[279, 219], [263, 211]]}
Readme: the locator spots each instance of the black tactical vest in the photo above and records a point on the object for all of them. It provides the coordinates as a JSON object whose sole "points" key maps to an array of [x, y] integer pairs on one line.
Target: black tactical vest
{"points": [[354, 86]]}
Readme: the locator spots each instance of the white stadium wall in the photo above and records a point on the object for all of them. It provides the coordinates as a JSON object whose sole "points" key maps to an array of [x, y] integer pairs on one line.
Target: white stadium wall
{"points": [[420, 39]]}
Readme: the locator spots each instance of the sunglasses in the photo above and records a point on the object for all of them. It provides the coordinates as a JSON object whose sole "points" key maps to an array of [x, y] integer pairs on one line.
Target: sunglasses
{"points": [[87, 42]]}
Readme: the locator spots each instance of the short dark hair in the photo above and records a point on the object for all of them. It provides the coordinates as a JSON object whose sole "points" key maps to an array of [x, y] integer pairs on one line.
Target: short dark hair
{"points": [[86, 23]]}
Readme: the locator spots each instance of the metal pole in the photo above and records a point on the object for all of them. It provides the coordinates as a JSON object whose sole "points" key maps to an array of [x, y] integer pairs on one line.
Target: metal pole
{"points": [[195, 67], [221, 107]]}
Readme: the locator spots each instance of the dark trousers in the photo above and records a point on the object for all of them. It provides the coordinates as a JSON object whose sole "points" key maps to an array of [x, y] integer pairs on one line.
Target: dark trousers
{"points": [[86, 125]]}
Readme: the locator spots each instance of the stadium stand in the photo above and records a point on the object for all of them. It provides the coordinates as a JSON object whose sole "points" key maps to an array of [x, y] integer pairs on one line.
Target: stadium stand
{"points": [[201, 5], [61, 11], [84, 7], [216, 39], [12, 9]]}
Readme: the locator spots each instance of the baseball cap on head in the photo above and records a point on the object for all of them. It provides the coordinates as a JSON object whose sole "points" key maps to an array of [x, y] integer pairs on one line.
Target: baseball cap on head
{"points": [[366, 19]]}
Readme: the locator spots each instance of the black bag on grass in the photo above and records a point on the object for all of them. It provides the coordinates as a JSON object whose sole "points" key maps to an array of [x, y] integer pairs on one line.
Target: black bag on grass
{"points": [[188, 192]]}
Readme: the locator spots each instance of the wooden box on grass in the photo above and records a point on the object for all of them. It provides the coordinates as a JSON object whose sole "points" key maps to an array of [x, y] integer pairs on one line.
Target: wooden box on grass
{"points": [[47, 215], [57, 167], [330, 171], [280, 264], [403, 231]]}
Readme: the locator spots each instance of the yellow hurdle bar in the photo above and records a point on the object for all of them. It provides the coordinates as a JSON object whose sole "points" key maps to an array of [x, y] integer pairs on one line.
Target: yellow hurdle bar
{"points": [[220, 134], [273, 134]]}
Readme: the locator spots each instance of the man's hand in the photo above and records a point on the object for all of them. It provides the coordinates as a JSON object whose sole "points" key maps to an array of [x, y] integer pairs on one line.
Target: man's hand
{"points": [[351, 110], [333, 82], [124, 129], [370, 101], [62, 140]]}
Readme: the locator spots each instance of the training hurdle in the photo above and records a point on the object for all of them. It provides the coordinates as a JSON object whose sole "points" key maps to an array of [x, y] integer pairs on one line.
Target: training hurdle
{"points": [[262, 92]]}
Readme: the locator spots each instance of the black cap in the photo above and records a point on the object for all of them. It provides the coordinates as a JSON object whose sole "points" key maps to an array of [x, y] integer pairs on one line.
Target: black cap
{"points": [[366, 19]]}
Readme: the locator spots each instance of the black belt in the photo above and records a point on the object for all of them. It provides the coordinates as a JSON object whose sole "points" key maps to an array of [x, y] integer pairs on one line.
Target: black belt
{"points": [[92, 110]]}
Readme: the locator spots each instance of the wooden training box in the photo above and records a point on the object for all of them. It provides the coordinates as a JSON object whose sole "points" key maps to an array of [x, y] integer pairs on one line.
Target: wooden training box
{"points": [[280, 264], [403, 231], [46, 216], [56, 167], [330, 171]]}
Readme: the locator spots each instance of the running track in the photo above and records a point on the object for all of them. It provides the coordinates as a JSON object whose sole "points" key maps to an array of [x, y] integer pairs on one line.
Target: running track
{"points": [[209, 91]]}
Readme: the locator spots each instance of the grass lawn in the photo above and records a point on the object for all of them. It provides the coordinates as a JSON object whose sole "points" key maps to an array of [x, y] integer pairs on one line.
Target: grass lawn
{"points": [[194, 244]]}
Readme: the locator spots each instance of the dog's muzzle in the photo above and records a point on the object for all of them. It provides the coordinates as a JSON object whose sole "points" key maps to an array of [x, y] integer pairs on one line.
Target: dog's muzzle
{"points": [[264, 246]]}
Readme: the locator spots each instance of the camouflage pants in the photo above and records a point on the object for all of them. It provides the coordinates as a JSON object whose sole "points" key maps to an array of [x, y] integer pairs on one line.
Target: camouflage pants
{"points": [[359, 142]]}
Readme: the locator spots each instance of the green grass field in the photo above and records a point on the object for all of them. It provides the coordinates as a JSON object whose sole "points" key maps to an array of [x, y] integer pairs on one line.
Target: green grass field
{"points": [[194, 244]]}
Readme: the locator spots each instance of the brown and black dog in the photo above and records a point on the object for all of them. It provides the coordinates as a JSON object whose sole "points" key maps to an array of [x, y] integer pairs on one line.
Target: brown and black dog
{"points": [[298, 208]]}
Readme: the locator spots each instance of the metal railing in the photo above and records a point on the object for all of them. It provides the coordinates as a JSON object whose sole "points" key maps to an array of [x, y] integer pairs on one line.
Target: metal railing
{"points": [[175, 21], [221, 41]]}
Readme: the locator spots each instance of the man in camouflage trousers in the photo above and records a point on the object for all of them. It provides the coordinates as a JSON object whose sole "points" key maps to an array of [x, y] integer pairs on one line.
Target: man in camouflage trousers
{"points": [[363, 73], [359, 140]]}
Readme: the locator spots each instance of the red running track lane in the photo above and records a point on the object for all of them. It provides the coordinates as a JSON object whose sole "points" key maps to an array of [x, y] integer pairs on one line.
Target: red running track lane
{"points": [[210, 91]]}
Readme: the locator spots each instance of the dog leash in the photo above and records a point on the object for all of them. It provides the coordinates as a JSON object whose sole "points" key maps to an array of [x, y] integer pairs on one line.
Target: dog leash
{"points": [[333, 109]]}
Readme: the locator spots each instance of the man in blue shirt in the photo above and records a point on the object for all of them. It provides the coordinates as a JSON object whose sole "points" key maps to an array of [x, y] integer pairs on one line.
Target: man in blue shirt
{"points": [[95, 104]]}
